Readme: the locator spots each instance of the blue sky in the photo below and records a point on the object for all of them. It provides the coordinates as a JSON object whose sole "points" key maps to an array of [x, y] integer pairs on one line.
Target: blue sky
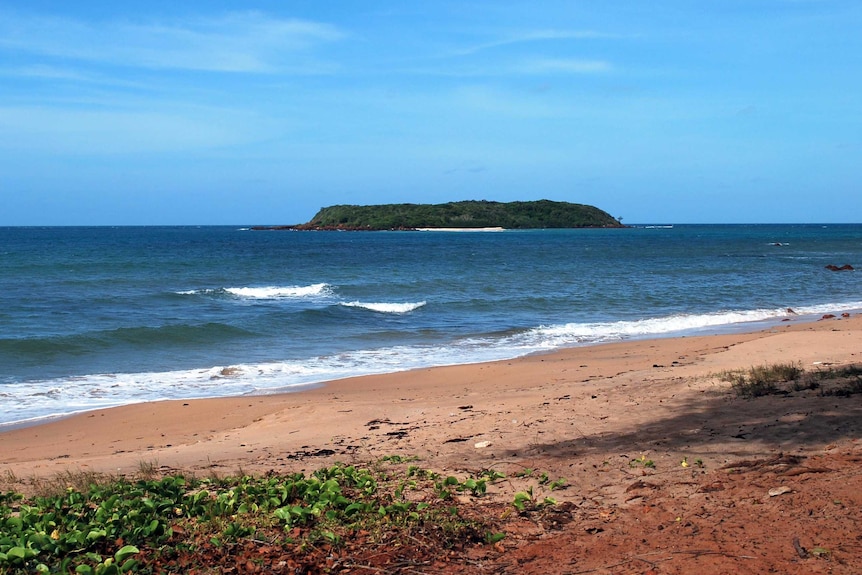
{"points": [[212, 112]]}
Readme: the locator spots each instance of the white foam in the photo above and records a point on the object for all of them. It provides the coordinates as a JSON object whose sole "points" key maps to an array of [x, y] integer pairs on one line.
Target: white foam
{"points": [[276, 292], [550, 337], [386, 307], [37, 400], [267, 292]]}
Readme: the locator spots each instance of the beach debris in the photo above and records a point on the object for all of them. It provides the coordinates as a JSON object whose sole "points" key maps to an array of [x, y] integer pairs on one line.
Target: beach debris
{"points": [[482, 444], [776, 491], [376, 423], [310, 453], [640, 484], [781, 461], [457, 440]]}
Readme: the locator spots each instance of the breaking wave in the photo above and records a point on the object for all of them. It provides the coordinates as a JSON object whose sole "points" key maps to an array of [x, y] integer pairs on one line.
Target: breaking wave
{"points": [[386, 307], [266, 292]]}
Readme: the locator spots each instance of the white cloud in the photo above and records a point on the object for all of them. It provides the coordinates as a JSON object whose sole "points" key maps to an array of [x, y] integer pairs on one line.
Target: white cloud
{"points": [[248, 42]]}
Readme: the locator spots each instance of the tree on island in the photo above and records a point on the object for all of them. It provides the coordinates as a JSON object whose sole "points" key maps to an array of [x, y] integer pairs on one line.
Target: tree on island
{"points": [[464, 215]]}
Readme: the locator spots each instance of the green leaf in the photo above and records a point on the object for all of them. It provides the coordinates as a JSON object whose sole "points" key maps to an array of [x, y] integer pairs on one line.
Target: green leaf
{"points": [[14, 524], [96, 534], [17, 553], [355, 508], [125, 552]]}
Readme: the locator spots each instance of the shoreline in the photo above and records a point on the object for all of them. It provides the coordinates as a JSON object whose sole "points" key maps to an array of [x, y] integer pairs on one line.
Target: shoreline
{"points": [[422, 412], [738, 326]]}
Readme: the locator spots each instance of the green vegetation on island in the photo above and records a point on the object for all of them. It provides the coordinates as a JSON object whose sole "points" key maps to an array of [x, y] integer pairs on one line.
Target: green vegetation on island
{"points": [[467, 214]]}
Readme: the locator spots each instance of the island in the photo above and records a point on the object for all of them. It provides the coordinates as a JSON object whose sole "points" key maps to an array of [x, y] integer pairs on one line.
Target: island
{"points": [[464, 215]]}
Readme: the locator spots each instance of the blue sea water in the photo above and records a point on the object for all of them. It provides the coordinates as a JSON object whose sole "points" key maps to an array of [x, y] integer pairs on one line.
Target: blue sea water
{"points": [[102, 316]]}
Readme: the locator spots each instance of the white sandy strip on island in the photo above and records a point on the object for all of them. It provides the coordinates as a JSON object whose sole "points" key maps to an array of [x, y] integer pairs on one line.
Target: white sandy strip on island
{"points": [[461, 229]]}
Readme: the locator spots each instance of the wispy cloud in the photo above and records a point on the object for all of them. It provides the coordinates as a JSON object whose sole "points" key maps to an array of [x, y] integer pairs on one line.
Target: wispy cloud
{"points": [[40, 71], [563, 65], [247, 42], [530, 36]]}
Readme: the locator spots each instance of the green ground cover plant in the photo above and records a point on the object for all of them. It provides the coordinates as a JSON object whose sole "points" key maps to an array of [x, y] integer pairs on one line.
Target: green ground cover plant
{"points": [[166, 524]]}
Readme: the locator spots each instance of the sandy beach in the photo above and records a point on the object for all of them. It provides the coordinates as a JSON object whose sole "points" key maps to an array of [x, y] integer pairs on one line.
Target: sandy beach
{"points": [[584, 414]]}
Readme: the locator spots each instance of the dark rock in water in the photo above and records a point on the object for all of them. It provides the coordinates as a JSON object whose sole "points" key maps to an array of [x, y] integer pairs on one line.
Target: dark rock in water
{"points": [[844, 268]]}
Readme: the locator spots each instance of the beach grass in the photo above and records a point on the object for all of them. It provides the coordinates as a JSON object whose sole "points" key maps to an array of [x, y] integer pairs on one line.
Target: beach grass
{"points": [[784, 378]]}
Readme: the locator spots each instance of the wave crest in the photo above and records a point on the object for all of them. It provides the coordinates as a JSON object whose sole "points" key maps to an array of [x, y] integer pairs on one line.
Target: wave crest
{"points": [[267, 292], [555, 336], [277, 292], [386, 307]]}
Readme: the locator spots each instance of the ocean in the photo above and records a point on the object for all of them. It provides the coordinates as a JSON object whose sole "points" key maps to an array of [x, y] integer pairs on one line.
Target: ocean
{"points": [[93, 317]]}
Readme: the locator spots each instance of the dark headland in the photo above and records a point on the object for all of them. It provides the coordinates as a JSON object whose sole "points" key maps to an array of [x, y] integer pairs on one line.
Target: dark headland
{"points": [[539, 214]]}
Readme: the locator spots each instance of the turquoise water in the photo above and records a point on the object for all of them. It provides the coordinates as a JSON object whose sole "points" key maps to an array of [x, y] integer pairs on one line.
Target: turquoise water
{"points": [[93, 317]]}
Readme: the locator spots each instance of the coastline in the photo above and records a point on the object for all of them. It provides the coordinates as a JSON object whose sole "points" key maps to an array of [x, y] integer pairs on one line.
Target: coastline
{"points": [[662, 465], [424, 412], [242, 380]]}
